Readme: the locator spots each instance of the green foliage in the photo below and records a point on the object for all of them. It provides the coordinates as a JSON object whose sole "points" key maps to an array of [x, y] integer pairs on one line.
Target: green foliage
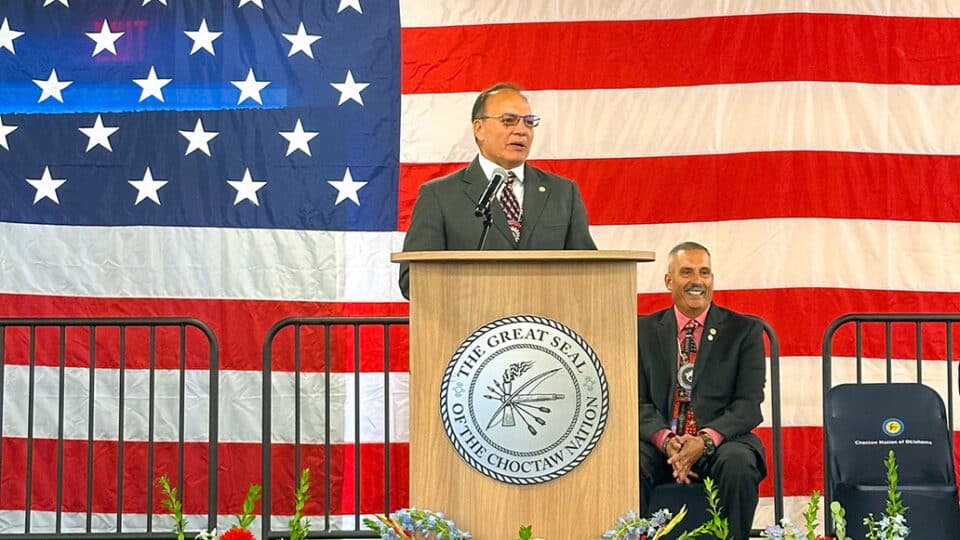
{"points": [[245, 519], [810, 516], [526, 532], [893, 523], [894, 500], [839, 520], [172, 502], [300, 525], [717, 525]]}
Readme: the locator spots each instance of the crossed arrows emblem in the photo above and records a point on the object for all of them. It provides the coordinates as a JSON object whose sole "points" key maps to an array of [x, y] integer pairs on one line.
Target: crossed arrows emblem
{"points": [[520, 402]]}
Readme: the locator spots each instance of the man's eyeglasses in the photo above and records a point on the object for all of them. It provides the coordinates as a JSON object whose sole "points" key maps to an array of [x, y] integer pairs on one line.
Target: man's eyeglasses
{"points": [[510, 119]]}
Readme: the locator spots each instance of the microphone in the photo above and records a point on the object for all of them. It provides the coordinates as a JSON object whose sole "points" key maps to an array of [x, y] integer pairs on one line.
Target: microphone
{"points": [[492, 188]]}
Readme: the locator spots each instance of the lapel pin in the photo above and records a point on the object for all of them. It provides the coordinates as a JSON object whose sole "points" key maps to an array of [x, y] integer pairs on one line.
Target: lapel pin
{"points": [[543, 189], [713, 334]]}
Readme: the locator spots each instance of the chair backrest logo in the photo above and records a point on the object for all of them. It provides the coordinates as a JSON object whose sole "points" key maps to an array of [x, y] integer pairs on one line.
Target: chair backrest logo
{"points": [[524, 399], [893, 427]]}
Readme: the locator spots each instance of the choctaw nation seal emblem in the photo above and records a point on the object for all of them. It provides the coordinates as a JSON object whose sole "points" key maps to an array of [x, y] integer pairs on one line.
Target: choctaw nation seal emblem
{"points": [[524, 399]]}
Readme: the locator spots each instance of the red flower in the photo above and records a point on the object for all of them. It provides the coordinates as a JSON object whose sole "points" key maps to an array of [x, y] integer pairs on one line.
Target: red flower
{"points": [[237, 533]]}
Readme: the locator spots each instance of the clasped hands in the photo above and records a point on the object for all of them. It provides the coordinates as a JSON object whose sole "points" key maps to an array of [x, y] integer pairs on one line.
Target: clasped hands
{"points": [[683, 451]]}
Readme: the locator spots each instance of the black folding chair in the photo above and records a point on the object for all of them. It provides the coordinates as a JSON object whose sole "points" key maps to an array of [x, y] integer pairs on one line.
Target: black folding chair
{"points": [[863, 422]]}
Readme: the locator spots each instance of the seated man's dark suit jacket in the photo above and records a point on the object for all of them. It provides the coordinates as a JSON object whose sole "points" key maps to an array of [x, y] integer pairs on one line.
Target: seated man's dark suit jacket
{"points": [[553, 216], [729, 375]]}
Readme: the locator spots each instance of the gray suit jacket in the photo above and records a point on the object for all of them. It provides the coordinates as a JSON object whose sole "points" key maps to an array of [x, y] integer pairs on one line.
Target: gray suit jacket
{"points": [[553, 216], [728, 377]]}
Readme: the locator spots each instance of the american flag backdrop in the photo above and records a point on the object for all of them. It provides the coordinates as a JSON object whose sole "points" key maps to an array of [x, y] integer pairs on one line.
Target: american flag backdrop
{"points": [[243, 161]]}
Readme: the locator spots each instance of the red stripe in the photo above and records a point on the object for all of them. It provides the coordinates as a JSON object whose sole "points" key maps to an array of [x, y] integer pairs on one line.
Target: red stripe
{"points": [[240, 327], [657, 53], [727, 186], [239, 465], [241, 347], [802, 451], [800, 317]]}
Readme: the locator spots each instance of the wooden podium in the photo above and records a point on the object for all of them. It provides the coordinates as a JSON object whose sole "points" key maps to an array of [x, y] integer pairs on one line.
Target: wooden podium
{"points": [[593, 293]]}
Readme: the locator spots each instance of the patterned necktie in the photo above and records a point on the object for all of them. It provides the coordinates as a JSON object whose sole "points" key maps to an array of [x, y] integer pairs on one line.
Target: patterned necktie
{"points": [[683, 420], [511, 207]]}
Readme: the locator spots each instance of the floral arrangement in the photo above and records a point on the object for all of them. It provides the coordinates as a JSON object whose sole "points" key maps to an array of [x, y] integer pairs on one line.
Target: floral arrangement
{"points": [[407, 523], [892, 525], [786, 530], [299, 525], [634, 527]]}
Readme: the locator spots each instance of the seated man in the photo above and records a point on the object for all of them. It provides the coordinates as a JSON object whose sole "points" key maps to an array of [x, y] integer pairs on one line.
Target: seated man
{"points": [[701, 378]]}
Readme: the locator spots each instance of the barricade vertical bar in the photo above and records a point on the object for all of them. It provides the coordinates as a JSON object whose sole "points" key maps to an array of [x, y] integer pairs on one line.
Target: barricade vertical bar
{"points": [[181, 413], [3, 368], [356, 424], [61, 362], [859, 339], [91, 391], [122, 377], [151, 400], [326, 427], [888, 331], [296, 403], [266, 437], [919, 337], [950, 375], [31, 383], [777, 423], [386, 420], [213, 430]]}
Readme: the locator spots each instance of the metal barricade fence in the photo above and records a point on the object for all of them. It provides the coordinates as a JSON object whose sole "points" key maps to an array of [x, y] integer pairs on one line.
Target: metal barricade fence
{"points": [[337, 353], [69, 415]]}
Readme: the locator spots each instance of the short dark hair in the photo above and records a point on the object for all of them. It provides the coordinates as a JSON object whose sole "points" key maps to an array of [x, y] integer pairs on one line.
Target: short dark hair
{"points": [[687, 246], [480, 105]]}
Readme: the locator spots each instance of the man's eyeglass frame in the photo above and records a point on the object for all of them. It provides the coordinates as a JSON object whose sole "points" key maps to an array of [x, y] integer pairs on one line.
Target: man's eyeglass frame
{"points": [[510, 119]]}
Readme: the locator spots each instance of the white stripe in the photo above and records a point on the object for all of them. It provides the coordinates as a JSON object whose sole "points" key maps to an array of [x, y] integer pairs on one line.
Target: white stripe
{"points": [[468, 12], [803, 252], [171, 262], [749, 254], [709, 119], [801, 385], [13, 522], [793, 509], [240, 406]]}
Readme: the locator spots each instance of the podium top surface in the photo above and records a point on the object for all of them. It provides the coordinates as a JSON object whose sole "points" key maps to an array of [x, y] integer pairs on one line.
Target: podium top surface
{"points": [[524, 255]]}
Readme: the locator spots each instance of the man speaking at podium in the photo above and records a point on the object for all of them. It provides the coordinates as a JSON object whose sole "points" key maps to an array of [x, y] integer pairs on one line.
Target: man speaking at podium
{"points": [[529, 208], [701, 377]]}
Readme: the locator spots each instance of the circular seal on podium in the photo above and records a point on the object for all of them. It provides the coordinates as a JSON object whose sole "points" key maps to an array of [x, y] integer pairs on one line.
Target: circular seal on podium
{"points": [[524, 399]]}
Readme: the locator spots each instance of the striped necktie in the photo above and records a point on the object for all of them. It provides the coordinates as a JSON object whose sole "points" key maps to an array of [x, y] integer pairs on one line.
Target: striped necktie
{"points": [[684, 420], [511, 207]]}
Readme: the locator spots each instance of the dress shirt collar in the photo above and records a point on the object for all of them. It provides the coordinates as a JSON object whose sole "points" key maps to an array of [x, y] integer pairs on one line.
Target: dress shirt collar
{"points": [[488, 167], [682, 319]]}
